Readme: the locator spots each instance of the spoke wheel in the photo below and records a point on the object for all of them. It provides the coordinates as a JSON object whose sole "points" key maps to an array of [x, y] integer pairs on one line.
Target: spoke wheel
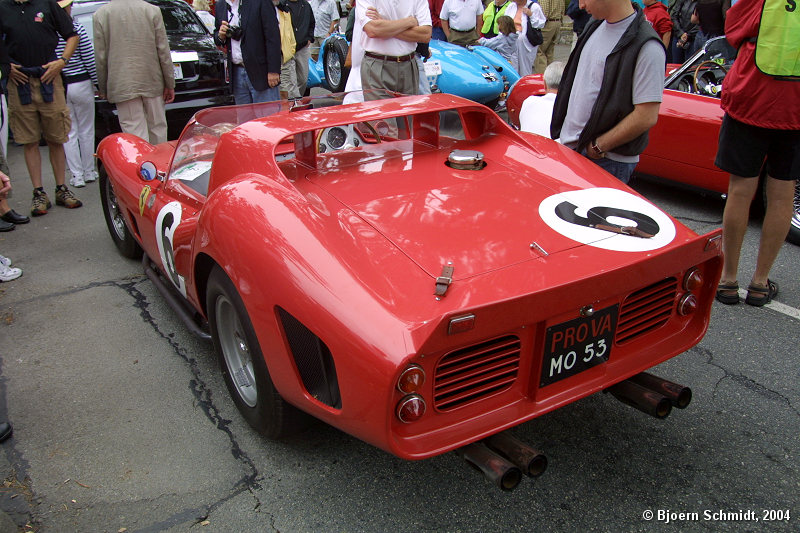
{"points": [[115, 221]]}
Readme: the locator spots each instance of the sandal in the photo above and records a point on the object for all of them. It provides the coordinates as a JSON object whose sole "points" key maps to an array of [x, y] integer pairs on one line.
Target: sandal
{"points": [[728, 293], [759, 296]]}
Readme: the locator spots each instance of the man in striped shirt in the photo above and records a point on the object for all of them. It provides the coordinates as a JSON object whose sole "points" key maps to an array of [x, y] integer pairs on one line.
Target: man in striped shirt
{"points": [[80, 77]]}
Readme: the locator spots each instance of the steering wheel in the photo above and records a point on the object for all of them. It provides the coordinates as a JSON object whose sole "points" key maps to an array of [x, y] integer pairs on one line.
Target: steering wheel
{"points": [[710, 63]]}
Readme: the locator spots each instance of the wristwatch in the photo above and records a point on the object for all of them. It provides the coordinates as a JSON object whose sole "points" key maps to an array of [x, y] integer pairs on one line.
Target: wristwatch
{"points": [[65, 60], [597, 149]]}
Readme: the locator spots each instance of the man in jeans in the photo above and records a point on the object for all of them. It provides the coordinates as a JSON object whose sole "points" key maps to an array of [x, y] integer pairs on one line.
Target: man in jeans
{"points": [[255, 61], [612, 87], [35, 91]]}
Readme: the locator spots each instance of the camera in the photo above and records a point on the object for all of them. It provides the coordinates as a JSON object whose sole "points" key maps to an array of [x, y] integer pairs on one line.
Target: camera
{"points": [[234, 32]]}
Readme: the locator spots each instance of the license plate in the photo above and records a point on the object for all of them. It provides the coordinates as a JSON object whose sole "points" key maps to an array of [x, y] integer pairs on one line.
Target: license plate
{"points": [[577, 345], [432, 67], [178, 71]]}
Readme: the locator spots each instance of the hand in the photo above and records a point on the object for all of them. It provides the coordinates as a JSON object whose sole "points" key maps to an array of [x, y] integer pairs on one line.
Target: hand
{"points": [[169, 95], [273, 79], [373, 14], [53, 69], [527, 11], [17, 76], [5, 185], [223, 31]]}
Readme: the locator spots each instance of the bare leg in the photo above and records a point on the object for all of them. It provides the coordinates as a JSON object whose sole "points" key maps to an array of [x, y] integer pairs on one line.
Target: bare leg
{"points": [[734, 223], [58, 160], [33, 160], [780, 197]]}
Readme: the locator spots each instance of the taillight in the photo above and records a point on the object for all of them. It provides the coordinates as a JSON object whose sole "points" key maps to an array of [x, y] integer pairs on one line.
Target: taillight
{"points": [[693, 279], [411, 379], [411, 408], [687, 305]]}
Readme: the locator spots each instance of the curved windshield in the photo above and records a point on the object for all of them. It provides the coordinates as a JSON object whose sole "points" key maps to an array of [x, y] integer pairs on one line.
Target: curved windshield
{"points": [[181, 19], [703, 72]]}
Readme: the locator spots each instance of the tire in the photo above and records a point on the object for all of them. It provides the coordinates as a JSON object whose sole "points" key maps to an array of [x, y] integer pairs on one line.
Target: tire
{"points": [[242, 362], [794, 229], [117, 226], [333, 64]]}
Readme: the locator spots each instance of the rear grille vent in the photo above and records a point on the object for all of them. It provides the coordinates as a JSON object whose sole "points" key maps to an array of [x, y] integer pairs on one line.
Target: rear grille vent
{"points": [[646, 310], [473, 373]]}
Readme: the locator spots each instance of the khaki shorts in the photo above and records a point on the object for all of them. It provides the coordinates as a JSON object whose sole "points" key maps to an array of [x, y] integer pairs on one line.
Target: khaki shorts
{"points": [[29, 122]]}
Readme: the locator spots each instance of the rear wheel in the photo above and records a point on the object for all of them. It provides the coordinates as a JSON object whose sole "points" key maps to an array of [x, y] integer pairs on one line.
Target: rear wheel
{"points": [[117, 227], [333, 64], [242, 362]]}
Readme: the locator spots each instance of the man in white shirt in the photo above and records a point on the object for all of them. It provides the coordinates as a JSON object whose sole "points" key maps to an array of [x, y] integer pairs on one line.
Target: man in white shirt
{"points": [[461, 20], [536, 111], [326, 16], [391, 32]]}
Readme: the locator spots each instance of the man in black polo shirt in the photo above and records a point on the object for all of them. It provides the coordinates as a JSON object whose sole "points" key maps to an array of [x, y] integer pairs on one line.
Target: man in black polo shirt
{"points": [[36, 92]]}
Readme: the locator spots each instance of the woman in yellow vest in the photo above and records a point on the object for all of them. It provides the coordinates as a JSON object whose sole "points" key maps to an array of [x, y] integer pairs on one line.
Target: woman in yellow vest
{"points": [[495, 10]]}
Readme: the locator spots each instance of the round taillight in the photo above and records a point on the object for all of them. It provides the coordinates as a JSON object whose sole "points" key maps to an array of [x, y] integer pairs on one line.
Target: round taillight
{"points": [[687, 305], [411, 379], [693, 279], [411, 408]]}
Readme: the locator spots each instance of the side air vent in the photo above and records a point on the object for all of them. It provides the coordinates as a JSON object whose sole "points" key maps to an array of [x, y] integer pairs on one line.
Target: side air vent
{"points": [[314, 361], [646, 310], [471, 374]]}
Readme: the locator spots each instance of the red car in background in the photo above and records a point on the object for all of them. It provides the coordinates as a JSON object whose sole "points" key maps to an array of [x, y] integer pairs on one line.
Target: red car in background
{"points": [[411, 271], [683, 144]]}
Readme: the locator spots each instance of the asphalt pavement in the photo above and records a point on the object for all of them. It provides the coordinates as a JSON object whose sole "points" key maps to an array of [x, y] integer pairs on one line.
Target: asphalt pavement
{"points": [[122, 421]]}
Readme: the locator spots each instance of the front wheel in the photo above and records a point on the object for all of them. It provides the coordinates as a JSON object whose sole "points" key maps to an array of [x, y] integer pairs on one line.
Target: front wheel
{"points": [[242, 363], [117, 227]]}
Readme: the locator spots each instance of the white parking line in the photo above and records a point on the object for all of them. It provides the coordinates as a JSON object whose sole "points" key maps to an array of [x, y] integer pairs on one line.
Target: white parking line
{"points": [[776, 306]]}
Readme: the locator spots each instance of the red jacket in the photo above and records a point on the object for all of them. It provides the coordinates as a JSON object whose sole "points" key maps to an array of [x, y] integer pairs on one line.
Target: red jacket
{"points": [[658, 16], [748, 95]]}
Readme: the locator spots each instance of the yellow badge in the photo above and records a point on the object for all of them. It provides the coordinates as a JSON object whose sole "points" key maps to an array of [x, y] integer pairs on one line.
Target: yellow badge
{"points": [[143, 198]]}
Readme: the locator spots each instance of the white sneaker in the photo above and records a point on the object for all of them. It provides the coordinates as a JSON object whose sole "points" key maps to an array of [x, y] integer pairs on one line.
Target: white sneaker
{"points": [[90, 177], [8, 273], [77, 181], [5, 261]]}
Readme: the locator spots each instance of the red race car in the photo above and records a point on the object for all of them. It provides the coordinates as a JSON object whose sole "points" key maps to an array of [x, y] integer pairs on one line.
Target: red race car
{"points": [[683, 144], [420, 290]]}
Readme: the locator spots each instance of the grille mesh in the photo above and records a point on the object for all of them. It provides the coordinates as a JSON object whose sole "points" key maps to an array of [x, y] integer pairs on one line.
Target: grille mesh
{"points": [[473, 373], [646, 310]]}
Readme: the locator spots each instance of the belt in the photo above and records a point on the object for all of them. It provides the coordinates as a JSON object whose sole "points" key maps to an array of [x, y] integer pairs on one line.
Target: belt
{"points": [[393, 59], [462, 31], [75, 78], [553, 20]]}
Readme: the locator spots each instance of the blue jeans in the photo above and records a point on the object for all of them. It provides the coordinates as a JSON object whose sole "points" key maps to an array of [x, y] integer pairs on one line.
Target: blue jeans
{"points": [[438, 34], [621, 171], [244, 93]]}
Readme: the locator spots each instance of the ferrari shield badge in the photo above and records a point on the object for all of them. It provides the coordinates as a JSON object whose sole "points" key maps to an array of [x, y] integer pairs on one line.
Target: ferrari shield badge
{"points": [[143, 199]]}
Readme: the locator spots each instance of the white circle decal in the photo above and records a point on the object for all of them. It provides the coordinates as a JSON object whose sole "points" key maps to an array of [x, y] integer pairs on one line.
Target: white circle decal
{"points": [[168, 220], [608, 218]]}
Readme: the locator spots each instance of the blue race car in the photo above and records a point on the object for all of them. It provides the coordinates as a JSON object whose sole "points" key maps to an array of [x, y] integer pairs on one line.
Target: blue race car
{"points": [[477, 73]]}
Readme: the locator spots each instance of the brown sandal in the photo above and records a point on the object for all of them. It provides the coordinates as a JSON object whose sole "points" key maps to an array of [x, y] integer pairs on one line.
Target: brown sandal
{"points": [[728, 293]]}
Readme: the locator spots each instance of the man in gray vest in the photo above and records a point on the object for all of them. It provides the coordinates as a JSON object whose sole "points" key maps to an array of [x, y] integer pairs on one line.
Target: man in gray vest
{"points": [[616, 70]]}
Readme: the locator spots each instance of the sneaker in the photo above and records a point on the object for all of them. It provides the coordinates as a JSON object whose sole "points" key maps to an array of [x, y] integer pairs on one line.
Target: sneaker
{"points": [[65, 197], [41, 203], [8, 273], [5, 261], [77, 181], [91, 176]]}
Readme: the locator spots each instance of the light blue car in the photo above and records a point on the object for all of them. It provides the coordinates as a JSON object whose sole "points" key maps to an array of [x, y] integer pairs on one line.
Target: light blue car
{"points": [[477, 73]]}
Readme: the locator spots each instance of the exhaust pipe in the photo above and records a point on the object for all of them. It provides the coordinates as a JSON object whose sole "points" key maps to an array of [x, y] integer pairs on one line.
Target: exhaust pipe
{"points": [[678, 395], [530, 461], [645, 400], [495, 468]]}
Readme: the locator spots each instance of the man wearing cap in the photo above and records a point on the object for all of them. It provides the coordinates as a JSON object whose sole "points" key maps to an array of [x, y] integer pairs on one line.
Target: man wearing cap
{"points": [[35, 93], [134, 66], [391, 33]]}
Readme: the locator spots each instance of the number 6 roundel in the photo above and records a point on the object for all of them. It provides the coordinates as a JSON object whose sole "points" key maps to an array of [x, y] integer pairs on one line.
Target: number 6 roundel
{"points": [[166, 223], [608, 218]]}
